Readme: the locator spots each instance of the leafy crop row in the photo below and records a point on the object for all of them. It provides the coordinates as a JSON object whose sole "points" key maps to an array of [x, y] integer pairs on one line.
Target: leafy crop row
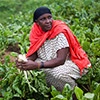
{"points": [[82, 16]]}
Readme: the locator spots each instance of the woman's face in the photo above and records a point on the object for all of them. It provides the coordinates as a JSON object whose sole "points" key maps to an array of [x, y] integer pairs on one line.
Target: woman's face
{"points": [[45, 21]]}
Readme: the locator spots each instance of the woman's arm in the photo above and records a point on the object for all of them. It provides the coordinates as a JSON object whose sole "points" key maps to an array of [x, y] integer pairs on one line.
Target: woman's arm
{"points": [[62, 55], [33, 57]]}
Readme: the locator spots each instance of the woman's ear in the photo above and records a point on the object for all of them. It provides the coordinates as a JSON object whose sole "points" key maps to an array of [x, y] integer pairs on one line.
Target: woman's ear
{"points": [[36, 21]]}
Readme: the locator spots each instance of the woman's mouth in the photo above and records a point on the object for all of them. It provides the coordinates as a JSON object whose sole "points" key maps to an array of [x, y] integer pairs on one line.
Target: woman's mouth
{"points": [[48, 26]]}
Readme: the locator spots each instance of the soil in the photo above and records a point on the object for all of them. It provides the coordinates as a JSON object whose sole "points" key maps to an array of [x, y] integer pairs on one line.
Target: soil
{"points": [[11, 48]]}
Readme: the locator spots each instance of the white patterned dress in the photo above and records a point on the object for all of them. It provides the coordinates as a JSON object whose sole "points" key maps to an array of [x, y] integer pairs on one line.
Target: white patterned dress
{"points": [[58, 76]]}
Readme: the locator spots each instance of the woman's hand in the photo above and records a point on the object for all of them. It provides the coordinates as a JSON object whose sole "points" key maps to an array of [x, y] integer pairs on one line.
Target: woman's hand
{"points": [[29, 65]]}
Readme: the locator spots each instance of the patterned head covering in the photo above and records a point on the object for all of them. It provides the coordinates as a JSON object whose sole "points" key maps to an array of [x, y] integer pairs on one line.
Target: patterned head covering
{"points": [[40, 11]]}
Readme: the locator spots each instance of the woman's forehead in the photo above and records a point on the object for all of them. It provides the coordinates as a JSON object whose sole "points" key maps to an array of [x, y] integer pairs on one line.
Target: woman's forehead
{"points": [[44, 15]]}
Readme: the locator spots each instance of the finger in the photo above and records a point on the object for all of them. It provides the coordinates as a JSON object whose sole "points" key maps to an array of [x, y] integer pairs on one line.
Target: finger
{"points": [[23, 62], [18, 64], [20, 67], [16, 60], [24, 68]]}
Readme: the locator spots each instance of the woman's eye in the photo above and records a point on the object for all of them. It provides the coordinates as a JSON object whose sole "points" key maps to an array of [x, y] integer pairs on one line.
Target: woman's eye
{"points": [[49, 17], [45, 18], [42, 19]]}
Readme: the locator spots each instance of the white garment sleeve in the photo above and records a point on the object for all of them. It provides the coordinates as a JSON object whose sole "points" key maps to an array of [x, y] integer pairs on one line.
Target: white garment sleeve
{"points": [[61, 41]]}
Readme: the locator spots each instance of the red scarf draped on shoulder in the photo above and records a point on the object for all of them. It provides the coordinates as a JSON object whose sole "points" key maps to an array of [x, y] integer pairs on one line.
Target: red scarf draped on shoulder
{"points": [[38, 37]]}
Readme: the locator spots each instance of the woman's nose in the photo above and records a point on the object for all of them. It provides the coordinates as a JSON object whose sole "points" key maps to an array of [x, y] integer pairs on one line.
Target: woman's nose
{"points": [[47, 20]]}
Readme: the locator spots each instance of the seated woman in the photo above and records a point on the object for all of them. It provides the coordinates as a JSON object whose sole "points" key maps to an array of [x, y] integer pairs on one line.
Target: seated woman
{"points": [[55, 50]]}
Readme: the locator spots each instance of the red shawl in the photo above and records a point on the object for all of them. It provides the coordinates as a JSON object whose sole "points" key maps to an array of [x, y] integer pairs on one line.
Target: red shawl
{"points": [[38, 37]]}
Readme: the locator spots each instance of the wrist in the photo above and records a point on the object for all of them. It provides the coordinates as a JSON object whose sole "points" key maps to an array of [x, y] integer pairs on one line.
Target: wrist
{"points": [[38, 65], [42, 65]]}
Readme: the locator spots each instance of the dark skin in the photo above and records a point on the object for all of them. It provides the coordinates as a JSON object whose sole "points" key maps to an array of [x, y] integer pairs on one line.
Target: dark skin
{"points": [[45, 22]]}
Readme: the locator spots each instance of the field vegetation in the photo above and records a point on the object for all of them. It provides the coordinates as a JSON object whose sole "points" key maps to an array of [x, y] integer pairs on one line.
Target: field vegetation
{"points": [[16, 19]]}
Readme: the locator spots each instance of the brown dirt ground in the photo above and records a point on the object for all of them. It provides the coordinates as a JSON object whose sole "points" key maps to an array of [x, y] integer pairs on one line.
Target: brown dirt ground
{"points": [[11, 48]]}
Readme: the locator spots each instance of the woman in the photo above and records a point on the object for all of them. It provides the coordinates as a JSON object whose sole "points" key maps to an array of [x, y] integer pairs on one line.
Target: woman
{"points": [[55, 50]]}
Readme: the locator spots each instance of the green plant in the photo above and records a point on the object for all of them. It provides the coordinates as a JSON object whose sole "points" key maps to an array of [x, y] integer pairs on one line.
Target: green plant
{"points": [[94, 95], [16, 84], [66, 93], [16, 18]]}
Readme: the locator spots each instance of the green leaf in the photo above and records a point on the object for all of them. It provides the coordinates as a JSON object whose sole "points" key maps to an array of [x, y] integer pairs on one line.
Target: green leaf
{"points": [[16, 86], [1, 98], [79, 93], [59, 97], [67, 91], [89, 96], [67, 88], [54, 92], [14, 54], [97, 92]]}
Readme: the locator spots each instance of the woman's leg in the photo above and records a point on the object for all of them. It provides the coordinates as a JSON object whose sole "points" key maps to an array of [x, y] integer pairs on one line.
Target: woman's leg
{"points": [[63, 74]]}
